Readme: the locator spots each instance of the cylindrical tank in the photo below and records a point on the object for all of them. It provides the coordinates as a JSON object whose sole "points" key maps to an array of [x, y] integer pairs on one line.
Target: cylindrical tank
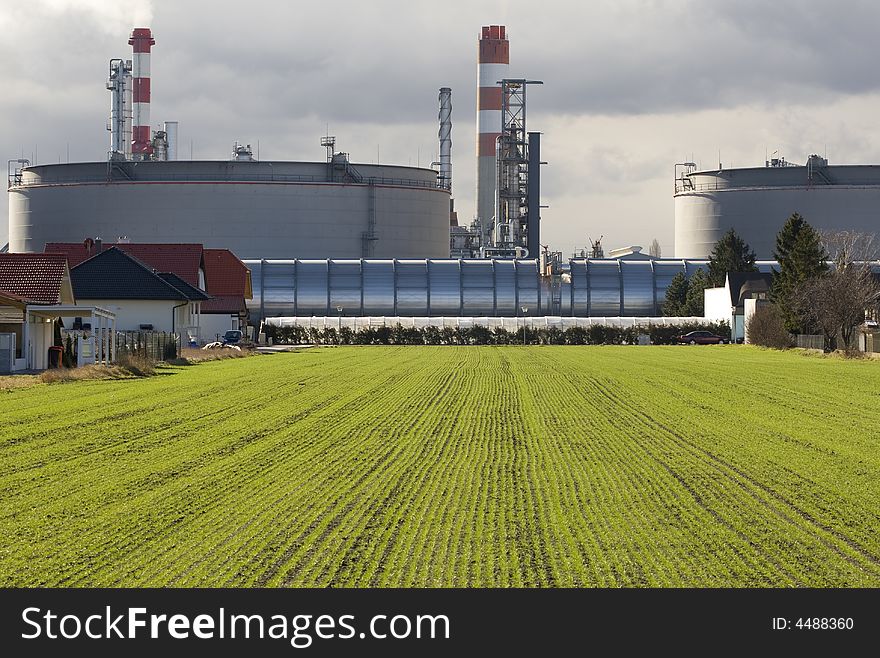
{"points": [[256, 209], [757, 201]]}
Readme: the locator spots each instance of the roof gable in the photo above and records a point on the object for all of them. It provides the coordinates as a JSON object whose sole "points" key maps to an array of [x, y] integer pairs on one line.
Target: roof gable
{"points": [[225, 274], [36, 278], [184, 259], [114, 274]]}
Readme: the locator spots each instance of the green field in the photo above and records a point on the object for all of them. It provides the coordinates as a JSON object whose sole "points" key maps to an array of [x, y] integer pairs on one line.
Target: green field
{"points": [[450, 466]]}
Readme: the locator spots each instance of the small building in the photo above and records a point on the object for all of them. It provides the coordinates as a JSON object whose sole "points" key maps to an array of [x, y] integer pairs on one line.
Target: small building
{"points": [[141, 298], [36, 292], [217, 272], [727, 303]]}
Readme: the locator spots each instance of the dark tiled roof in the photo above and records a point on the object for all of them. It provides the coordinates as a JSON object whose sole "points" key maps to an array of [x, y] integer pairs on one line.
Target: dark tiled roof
{"points": [[36, 278], [183, 259], [225, 274], [751, 281], [224, 304], [115, 274], [192, 293]]}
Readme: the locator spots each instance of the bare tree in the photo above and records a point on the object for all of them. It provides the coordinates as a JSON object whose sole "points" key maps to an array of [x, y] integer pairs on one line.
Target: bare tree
{"points": [[835, 303], [654, 249]]}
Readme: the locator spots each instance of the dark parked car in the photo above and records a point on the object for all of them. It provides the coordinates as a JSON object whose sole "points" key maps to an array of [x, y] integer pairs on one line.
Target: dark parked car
{"points": [[701, 338], [231, 337]]}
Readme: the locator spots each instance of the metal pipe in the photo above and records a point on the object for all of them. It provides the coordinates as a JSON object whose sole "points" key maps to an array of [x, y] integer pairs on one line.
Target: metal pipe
{"points": [[533, 225], [119, 85], [171, 140], [445, 135]]}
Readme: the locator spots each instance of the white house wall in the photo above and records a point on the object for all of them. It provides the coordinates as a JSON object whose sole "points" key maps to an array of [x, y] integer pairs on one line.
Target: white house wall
{"points": [[217, 324], [130, 313], [716, 304]]}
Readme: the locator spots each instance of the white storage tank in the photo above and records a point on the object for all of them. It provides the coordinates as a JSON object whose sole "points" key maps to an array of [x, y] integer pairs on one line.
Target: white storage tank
{"points": [[757, 201]]}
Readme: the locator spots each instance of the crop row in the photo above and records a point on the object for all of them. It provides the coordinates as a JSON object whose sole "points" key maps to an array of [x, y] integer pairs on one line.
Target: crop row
{"points": [[450, 466]]}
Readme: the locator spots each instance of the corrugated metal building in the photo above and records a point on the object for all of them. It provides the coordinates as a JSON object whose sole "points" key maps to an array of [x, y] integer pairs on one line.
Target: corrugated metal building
{"points": [[462, 287]]}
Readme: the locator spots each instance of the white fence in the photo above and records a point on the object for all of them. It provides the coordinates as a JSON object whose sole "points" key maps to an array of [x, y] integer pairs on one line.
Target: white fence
{"points": [[510, 324]]}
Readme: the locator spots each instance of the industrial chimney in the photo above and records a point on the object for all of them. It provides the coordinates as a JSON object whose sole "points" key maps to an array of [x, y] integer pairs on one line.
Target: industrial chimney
{"points": [[493, 64], [141, 41], [445, 134]]}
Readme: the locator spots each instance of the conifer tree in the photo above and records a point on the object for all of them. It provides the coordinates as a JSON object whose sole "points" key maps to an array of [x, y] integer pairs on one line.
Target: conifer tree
{"points": [[676, 296], [731, 254]]}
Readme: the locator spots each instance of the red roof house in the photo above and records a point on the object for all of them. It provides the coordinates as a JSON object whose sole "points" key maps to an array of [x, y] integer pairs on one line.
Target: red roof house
{"points": [[218, 272], [36, 278]]}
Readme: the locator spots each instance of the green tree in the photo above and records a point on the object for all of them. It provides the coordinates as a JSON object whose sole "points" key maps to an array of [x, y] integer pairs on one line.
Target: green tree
{"points": [[693, 306], [801, 256], [730, 254], [676, 296]]}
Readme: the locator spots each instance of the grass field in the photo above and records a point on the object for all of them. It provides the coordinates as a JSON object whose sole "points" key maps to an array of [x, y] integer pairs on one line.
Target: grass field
{"points": [[450, 466]]}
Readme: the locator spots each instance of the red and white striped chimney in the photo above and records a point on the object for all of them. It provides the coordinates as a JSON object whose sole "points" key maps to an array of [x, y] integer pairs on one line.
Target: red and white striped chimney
{"points": [[141, 143], [492, 66]]}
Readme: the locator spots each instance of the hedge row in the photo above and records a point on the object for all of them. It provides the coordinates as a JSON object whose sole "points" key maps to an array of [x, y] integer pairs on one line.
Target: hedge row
{"points": [[596, 334]]}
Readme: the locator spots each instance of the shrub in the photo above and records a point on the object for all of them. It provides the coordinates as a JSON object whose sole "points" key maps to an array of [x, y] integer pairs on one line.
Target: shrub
{"points": [[766, 327], [597, 334]]}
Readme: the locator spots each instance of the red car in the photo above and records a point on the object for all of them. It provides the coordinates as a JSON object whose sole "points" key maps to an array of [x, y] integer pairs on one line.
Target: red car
{"points": [[701, 338]]}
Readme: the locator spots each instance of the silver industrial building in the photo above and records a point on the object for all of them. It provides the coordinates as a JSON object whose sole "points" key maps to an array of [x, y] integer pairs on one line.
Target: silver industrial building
{"points": [[462, 287], [256, 209], [756, 201]]}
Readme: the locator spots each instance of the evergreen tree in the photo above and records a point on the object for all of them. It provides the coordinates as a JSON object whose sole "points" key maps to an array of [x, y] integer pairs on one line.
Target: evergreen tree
{"points": [[676, 296], [693, 305], [801, 256], [787, 236], [731, 254]]}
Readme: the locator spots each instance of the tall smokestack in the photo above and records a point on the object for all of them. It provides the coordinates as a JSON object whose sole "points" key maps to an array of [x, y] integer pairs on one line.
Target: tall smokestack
{"points": [[493, 64], [141, 41], [445, 134]]}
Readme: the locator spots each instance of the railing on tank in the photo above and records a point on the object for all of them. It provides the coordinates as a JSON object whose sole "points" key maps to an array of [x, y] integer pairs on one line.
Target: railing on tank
{"points": [[120, 173], [13, 171]]}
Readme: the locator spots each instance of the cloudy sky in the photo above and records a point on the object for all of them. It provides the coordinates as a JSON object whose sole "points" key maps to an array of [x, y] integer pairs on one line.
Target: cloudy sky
{"points": [[630, 88]]}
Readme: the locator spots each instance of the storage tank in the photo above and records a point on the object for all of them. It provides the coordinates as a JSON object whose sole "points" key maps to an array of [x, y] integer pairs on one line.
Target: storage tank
{"points": [[256, 209], [757, 201]]}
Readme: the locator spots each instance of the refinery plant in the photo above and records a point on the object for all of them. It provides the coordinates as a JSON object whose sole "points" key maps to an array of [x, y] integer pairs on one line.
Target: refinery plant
{"points": [[323, 238]]}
